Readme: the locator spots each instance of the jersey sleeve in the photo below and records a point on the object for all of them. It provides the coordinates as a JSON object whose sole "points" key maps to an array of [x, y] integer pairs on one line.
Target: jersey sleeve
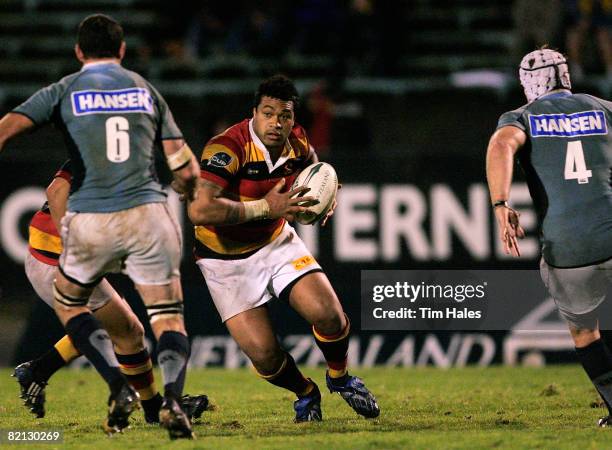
{"points": [[39, 107], [64, 172], [168, 127], [512, 118], [221, 160]]}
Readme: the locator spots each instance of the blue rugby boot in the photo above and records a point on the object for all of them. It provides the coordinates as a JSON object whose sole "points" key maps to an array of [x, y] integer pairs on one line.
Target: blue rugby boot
{"points": [[354, 392], [308, 407], [32, 392]]}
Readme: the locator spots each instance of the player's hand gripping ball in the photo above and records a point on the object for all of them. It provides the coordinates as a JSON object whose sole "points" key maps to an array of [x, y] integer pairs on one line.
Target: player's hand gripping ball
{"points": [[322, 180]]}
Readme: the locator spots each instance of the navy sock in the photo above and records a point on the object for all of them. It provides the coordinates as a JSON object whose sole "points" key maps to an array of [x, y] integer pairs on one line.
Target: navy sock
{"points": [[335, 350], [93, 341], [288, 376], [151, 408], [172, 357], [597, 362], [47, 365]]}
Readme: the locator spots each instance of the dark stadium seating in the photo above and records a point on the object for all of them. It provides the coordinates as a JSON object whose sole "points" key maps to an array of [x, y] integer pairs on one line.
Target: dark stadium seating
{"points": [[435, 39], [37, 36]]}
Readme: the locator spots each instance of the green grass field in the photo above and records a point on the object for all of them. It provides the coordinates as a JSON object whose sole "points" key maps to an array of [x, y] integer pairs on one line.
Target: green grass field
{"points": [[420, 408]]}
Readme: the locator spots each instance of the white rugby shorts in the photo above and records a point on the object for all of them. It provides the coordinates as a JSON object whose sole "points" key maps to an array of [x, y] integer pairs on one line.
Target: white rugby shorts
{"points": [[41, 277], [143, 242], [578, 291], [238, 285]]}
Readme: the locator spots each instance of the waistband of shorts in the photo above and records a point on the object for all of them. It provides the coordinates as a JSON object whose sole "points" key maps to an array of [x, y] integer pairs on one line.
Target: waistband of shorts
{"points": [[594, 263], [201, 251]]}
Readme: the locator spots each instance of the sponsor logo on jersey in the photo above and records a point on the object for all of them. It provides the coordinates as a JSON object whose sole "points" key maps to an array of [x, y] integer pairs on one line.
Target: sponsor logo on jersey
{"points": [[585, 123], [302, 262], [288, 168], [220, 159], [133, 100]]}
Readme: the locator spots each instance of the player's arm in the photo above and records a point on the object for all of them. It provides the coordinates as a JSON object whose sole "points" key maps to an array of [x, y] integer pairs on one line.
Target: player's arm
{"points": [[211, 208], [181, 160], [35, 111], [504, 144], [184, 166], [313, 158], [11, 125], [57, 197]]}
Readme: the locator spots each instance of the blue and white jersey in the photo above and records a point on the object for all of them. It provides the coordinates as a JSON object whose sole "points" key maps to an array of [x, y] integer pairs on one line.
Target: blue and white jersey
{"points": [[568, 164], [112, 120]]}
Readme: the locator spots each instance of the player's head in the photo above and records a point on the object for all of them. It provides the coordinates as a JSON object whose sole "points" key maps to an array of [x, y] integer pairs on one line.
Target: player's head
{"points": [[100, 36], [542, 71], [274, 110]]}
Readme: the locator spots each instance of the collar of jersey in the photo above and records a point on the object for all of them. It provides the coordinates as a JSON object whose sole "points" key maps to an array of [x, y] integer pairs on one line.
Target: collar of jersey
{"points": [[280, 161], [564, 93], [92, 65]]}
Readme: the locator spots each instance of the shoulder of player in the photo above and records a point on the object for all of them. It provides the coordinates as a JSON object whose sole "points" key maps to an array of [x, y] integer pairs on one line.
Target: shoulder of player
{"points": [[299, 139], [514, 118], [69, 79], [299, 132], [62, 86], [592, 99], [234, 139], [139, 80], [515, 113], [134, 77], [142, 82], [520, 110]]}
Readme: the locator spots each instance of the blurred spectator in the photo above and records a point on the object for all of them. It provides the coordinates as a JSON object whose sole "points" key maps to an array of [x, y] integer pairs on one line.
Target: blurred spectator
{"points": [[361, 38], [256, 32], [166, 40], [333, 120], [315, 25], [168, 36], [319, 118], [391, 29], [368, 39], [536, 23], [586, 16], [219, 125], [208, 26]]}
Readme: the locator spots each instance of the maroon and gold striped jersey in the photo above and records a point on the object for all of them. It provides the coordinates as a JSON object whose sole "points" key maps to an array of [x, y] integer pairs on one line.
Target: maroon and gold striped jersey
{"points": [[239, 162], [44, 242]]}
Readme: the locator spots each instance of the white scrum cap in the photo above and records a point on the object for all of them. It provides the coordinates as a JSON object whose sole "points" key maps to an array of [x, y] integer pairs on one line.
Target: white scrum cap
{"points": [[542, 71]]}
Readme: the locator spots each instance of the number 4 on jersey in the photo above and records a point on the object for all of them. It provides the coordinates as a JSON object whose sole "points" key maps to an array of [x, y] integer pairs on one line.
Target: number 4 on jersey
{"points": [[575, 166]]}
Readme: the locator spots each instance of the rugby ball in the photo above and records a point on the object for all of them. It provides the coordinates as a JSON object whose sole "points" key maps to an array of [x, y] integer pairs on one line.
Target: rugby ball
{"points": [[322, 180]]}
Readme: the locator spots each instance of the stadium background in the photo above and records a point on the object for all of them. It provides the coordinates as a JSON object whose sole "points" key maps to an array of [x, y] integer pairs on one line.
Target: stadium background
{"points": [[399, 96]]}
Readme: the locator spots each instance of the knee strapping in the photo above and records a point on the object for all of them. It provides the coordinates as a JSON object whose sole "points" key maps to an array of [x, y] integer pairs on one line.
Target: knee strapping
{"points": [[164, 309], [67, 300]]}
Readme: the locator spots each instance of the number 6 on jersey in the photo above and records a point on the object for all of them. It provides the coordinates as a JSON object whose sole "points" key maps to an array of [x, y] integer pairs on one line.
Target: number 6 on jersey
{"points": [[575, 166], [117, 139]]}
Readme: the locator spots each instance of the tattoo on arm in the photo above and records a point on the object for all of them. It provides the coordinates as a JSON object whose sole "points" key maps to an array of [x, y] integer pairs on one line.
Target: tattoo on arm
{"points": [[231, 208]]}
